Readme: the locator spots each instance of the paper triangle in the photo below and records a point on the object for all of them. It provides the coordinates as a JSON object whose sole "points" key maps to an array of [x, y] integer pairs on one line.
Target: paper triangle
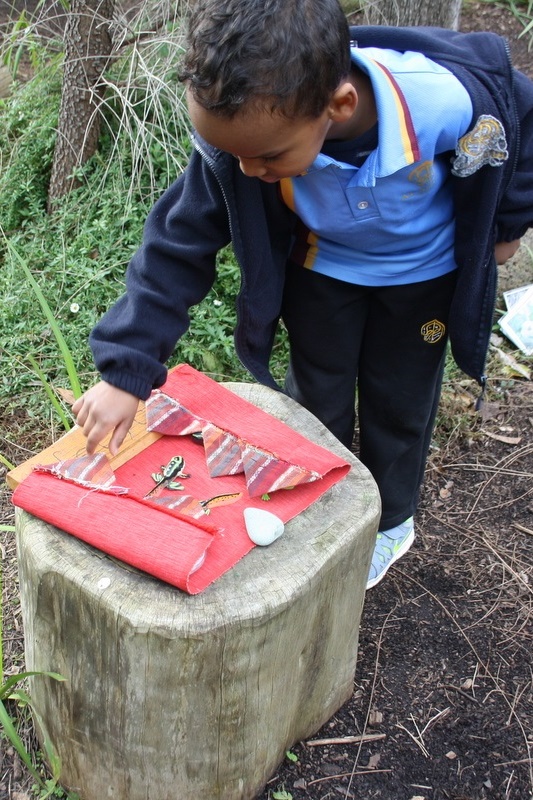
{"points": [[165, 415], [265, 473], [222, 451], [88, 470]]}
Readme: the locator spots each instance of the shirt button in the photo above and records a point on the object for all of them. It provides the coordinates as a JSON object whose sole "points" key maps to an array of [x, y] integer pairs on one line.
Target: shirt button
{"points": [[362, 205]]}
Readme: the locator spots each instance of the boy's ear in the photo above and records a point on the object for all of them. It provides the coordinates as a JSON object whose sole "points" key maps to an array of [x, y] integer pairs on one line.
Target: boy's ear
{"points": [[343, 102]]}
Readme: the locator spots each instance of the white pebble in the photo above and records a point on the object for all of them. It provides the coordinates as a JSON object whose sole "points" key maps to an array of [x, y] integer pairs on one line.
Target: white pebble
{"points": [[262, 527]]}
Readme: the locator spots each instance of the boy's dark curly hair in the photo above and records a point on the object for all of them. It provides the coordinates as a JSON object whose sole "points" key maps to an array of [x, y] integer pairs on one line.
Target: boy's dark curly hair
{"points": [[290, 53]]}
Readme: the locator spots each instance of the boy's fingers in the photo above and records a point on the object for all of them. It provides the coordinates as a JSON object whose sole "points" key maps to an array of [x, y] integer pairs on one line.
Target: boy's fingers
{"points": [[104, 409], [77, 407], [118, 437], [81, 415], [95, 432]]}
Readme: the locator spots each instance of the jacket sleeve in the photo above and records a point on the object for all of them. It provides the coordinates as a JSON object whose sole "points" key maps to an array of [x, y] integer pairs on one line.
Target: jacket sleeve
{"points": [[172, 271], [515, 211]]}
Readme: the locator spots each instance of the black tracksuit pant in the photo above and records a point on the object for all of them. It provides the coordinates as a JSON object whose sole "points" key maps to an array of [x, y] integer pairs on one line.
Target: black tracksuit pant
{"points": [[390, 343]]}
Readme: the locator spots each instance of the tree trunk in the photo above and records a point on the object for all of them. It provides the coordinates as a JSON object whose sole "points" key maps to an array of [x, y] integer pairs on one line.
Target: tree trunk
{"points": [[87, 51], [412, 12]]}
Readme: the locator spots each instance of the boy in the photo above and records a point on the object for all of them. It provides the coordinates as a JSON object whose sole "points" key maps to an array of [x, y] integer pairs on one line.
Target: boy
{"points": [[368, 188]]}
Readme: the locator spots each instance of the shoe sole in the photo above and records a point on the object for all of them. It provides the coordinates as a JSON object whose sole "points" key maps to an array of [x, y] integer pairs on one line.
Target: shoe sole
{"points": [[398, 554]]}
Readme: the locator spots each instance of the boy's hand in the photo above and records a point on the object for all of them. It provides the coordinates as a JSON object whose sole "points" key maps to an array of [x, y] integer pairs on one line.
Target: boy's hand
{"points": [[505, 250], [105, 408]]}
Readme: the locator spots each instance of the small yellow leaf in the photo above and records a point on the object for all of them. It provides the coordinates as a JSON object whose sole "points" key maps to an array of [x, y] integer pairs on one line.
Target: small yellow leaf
{"points": [[67, 396], [513, 367]]}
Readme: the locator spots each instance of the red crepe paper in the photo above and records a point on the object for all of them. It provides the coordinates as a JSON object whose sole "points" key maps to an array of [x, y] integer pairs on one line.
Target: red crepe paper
{"points": [[150, 539], [189, 537]]}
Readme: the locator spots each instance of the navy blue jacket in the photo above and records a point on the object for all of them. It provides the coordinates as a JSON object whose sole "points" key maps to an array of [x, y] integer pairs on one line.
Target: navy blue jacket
{"points": [[213, 203]]}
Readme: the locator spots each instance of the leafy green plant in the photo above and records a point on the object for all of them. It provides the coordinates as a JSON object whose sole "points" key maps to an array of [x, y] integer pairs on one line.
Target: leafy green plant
{"points": [[27, 133], [8, 691], [64, 350], [5, 462], [55, 403]]}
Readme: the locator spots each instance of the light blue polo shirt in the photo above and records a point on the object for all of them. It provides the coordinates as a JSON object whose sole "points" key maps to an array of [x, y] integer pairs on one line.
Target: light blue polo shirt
{"points": [[391, 219]]}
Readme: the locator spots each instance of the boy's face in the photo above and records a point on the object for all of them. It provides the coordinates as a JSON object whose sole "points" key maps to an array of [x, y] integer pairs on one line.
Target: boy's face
{"points": [[267, 145]]}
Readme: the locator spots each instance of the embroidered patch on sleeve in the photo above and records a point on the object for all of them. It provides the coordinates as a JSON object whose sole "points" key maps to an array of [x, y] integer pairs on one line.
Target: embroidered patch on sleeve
{"points": [[484, 144]]}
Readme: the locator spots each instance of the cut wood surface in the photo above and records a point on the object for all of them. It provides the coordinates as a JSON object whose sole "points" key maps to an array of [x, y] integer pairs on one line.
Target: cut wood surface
{"points": [[174, 696]]}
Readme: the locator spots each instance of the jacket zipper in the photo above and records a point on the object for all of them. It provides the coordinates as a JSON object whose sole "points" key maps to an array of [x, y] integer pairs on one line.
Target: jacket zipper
{"points": [[212, 166]]}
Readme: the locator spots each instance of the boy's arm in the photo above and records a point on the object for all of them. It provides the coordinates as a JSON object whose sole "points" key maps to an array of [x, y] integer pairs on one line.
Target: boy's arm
{"points": [[172, 271], [515, 212]]}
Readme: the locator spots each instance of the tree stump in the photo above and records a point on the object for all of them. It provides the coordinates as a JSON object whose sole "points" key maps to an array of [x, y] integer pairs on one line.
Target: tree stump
{"points": [[175, 696]]}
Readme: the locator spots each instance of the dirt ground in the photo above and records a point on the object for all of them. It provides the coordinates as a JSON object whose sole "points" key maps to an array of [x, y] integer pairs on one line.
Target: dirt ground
{"points": [[442, 707]]}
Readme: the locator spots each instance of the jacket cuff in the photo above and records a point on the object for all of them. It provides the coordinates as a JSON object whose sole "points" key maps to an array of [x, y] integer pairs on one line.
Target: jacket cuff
{"points": [[133, 384]]}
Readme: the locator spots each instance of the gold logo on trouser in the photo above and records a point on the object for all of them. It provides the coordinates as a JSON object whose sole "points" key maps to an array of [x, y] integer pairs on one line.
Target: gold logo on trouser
{"points": [[432, 332]]}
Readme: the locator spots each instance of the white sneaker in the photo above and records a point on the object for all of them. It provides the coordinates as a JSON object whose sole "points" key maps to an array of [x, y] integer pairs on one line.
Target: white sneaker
{"points": [[390, 546]]}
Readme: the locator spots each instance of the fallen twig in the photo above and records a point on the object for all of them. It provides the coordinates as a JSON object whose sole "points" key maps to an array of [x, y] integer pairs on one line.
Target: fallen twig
{"points": [[348, 775], [459, 691], [507, 566], [522, 528], [365, 737]]}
